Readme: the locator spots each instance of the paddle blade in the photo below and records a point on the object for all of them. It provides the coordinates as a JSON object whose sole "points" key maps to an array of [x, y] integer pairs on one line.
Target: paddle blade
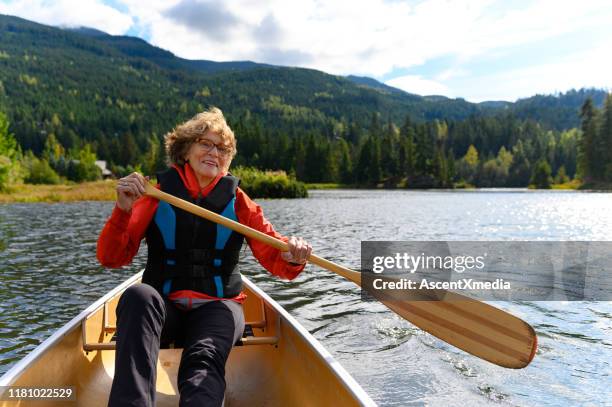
{"points": [[473, 326]]}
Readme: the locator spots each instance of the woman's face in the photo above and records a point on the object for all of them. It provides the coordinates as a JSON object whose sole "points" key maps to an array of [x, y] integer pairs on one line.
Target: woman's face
{"points": [[208, 156]]}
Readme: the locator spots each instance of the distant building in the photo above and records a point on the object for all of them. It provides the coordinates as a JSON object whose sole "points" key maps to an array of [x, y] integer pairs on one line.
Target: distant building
{"points": [[105, 171]]}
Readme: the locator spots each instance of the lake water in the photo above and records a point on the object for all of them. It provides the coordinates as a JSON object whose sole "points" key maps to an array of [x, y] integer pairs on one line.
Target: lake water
{"points": [[49, 273]]}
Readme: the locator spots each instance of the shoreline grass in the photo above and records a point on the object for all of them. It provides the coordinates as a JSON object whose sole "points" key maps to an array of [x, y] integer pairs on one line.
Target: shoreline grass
{"points": [[105, 190], [323, 185], [574, 184], [595, 186], [256, 183], [86, 191]]}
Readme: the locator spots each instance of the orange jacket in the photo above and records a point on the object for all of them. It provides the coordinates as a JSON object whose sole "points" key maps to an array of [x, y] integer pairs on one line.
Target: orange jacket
{"points": [[121, 236]]}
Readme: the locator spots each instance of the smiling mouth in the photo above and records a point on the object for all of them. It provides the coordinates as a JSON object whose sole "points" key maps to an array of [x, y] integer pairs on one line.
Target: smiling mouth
{"points": [[210, 163]]}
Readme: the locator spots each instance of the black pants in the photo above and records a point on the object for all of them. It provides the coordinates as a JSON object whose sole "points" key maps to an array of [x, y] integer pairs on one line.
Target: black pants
{"points": [[144, 320]]}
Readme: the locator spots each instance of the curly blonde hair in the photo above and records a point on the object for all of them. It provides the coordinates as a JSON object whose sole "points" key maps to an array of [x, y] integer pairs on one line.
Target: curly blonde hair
{"points": [[181, 138]]}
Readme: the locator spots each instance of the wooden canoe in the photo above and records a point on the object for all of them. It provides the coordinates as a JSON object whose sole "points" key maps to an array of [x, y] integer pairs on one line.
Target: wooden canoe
{"points": [[281, 364]]}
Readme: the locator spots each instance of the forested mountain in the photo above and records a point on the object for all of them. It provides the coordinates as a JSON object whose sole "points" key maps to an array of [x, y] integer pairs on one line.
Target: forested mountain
{"points": [[560, 111], [97, 87], [119, 95], [373, 83], [136, 47]]}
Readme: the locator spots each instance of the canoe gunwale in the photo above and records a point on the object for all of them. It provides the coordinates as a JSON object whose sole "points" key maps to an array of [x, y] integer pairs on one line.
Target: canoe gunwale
{"points": [[343, 376], [9, 377]]}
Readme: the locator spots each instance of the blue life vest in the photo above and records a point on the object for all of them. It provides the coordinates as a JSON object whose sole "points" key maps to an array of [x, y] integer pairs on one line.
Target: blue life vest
{"points": [[186, 252]]}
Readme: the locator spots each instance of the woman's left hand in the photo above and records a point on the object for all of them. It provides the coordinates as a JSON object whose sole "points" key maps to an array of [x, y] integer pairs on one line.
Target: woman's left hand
{"points": [[299, 251]]}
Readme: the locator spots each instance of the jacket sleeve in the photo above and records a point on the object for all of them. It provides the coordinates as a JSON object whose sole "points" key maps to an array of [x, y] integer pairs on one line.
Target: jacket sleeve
{"points": [[250, 214], [121, 236]]}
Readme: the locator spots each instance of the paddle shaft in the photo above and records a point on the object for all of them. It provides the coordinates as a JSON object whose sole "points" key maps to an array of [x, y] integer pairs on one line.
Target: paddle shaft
{"points": [[249, 232]]}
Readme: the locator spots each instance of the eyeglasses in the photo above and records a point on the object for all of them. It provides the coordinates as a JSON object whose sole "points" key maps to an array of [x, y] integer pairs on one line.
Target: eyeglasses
{"points": [[208, 145]]}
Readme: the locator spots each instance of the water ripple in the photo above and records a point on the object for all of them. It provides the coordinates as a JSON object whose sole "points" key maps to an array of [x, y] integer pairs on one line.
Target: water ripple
{"points": [[49, 273]]}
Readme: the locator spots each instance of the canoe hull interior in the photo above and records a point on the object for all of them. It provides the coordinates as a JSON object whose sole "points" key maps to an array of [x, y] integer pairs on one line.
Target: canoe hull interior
{"points": [[295, 370]]}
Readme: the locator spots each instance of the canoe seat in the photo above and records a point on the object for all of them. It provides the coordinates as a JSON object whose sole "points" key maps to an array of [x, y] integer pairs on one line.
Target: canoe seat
{"points": [[248, 337], [248, 331]]}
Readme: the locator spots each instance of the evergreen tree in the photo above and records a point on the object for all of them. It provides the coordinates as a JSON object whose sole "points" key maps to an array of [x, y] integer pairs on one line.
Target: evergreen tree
{"points": [[389, 159], [375, 129], [440, 168], [10, 169], [411, 153], [151, 163], [451, 167], [375, 173], [520, 169], [330, 162], [363, 163], [606, 139], [561, 177], [346, 164], [541, 177], [588, 166], [568, 147], [401, 157], [313, 162], [407, 167], [82, 166], [369, 171], [130, 153], [282, 152], [389, 151], [353, 135], [299, 153], [424, 151]]}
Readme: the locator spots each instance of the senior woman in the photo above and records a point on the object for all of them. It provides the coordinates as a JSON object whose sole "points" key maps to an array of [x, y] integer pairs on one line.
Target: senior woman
{"points": [[191, 289]]}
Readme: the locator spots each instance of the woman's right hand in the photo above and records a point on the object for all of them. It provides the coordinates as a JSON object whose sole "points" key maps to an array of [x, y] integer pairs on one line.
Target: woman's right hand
{"points": [[129, 189]]}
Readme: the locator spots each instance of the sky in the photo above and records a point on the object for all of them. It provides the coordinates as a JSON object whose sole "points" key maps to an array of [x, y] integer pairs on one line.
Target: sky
{"points": [[477, 50]]}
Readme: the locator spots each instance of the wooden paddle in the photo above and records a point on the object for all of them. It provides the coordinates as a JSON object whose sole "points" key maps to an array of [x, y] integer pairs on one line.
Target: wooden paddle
{"points": [[468, 324]]}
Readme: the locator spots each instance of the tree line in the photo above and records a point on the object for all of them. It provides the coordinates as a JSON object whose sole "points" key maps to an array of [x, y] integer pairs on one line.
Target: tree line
{"points": [[496, 151], [595, 149]]}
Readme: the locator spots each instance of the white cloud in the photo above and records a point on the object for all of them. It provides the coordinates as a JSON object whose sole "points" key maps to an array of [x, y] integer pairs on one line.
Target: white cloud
{"points": [[361, 37], [369, 37], [590, 68], [71, 13], [420, 86]]}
